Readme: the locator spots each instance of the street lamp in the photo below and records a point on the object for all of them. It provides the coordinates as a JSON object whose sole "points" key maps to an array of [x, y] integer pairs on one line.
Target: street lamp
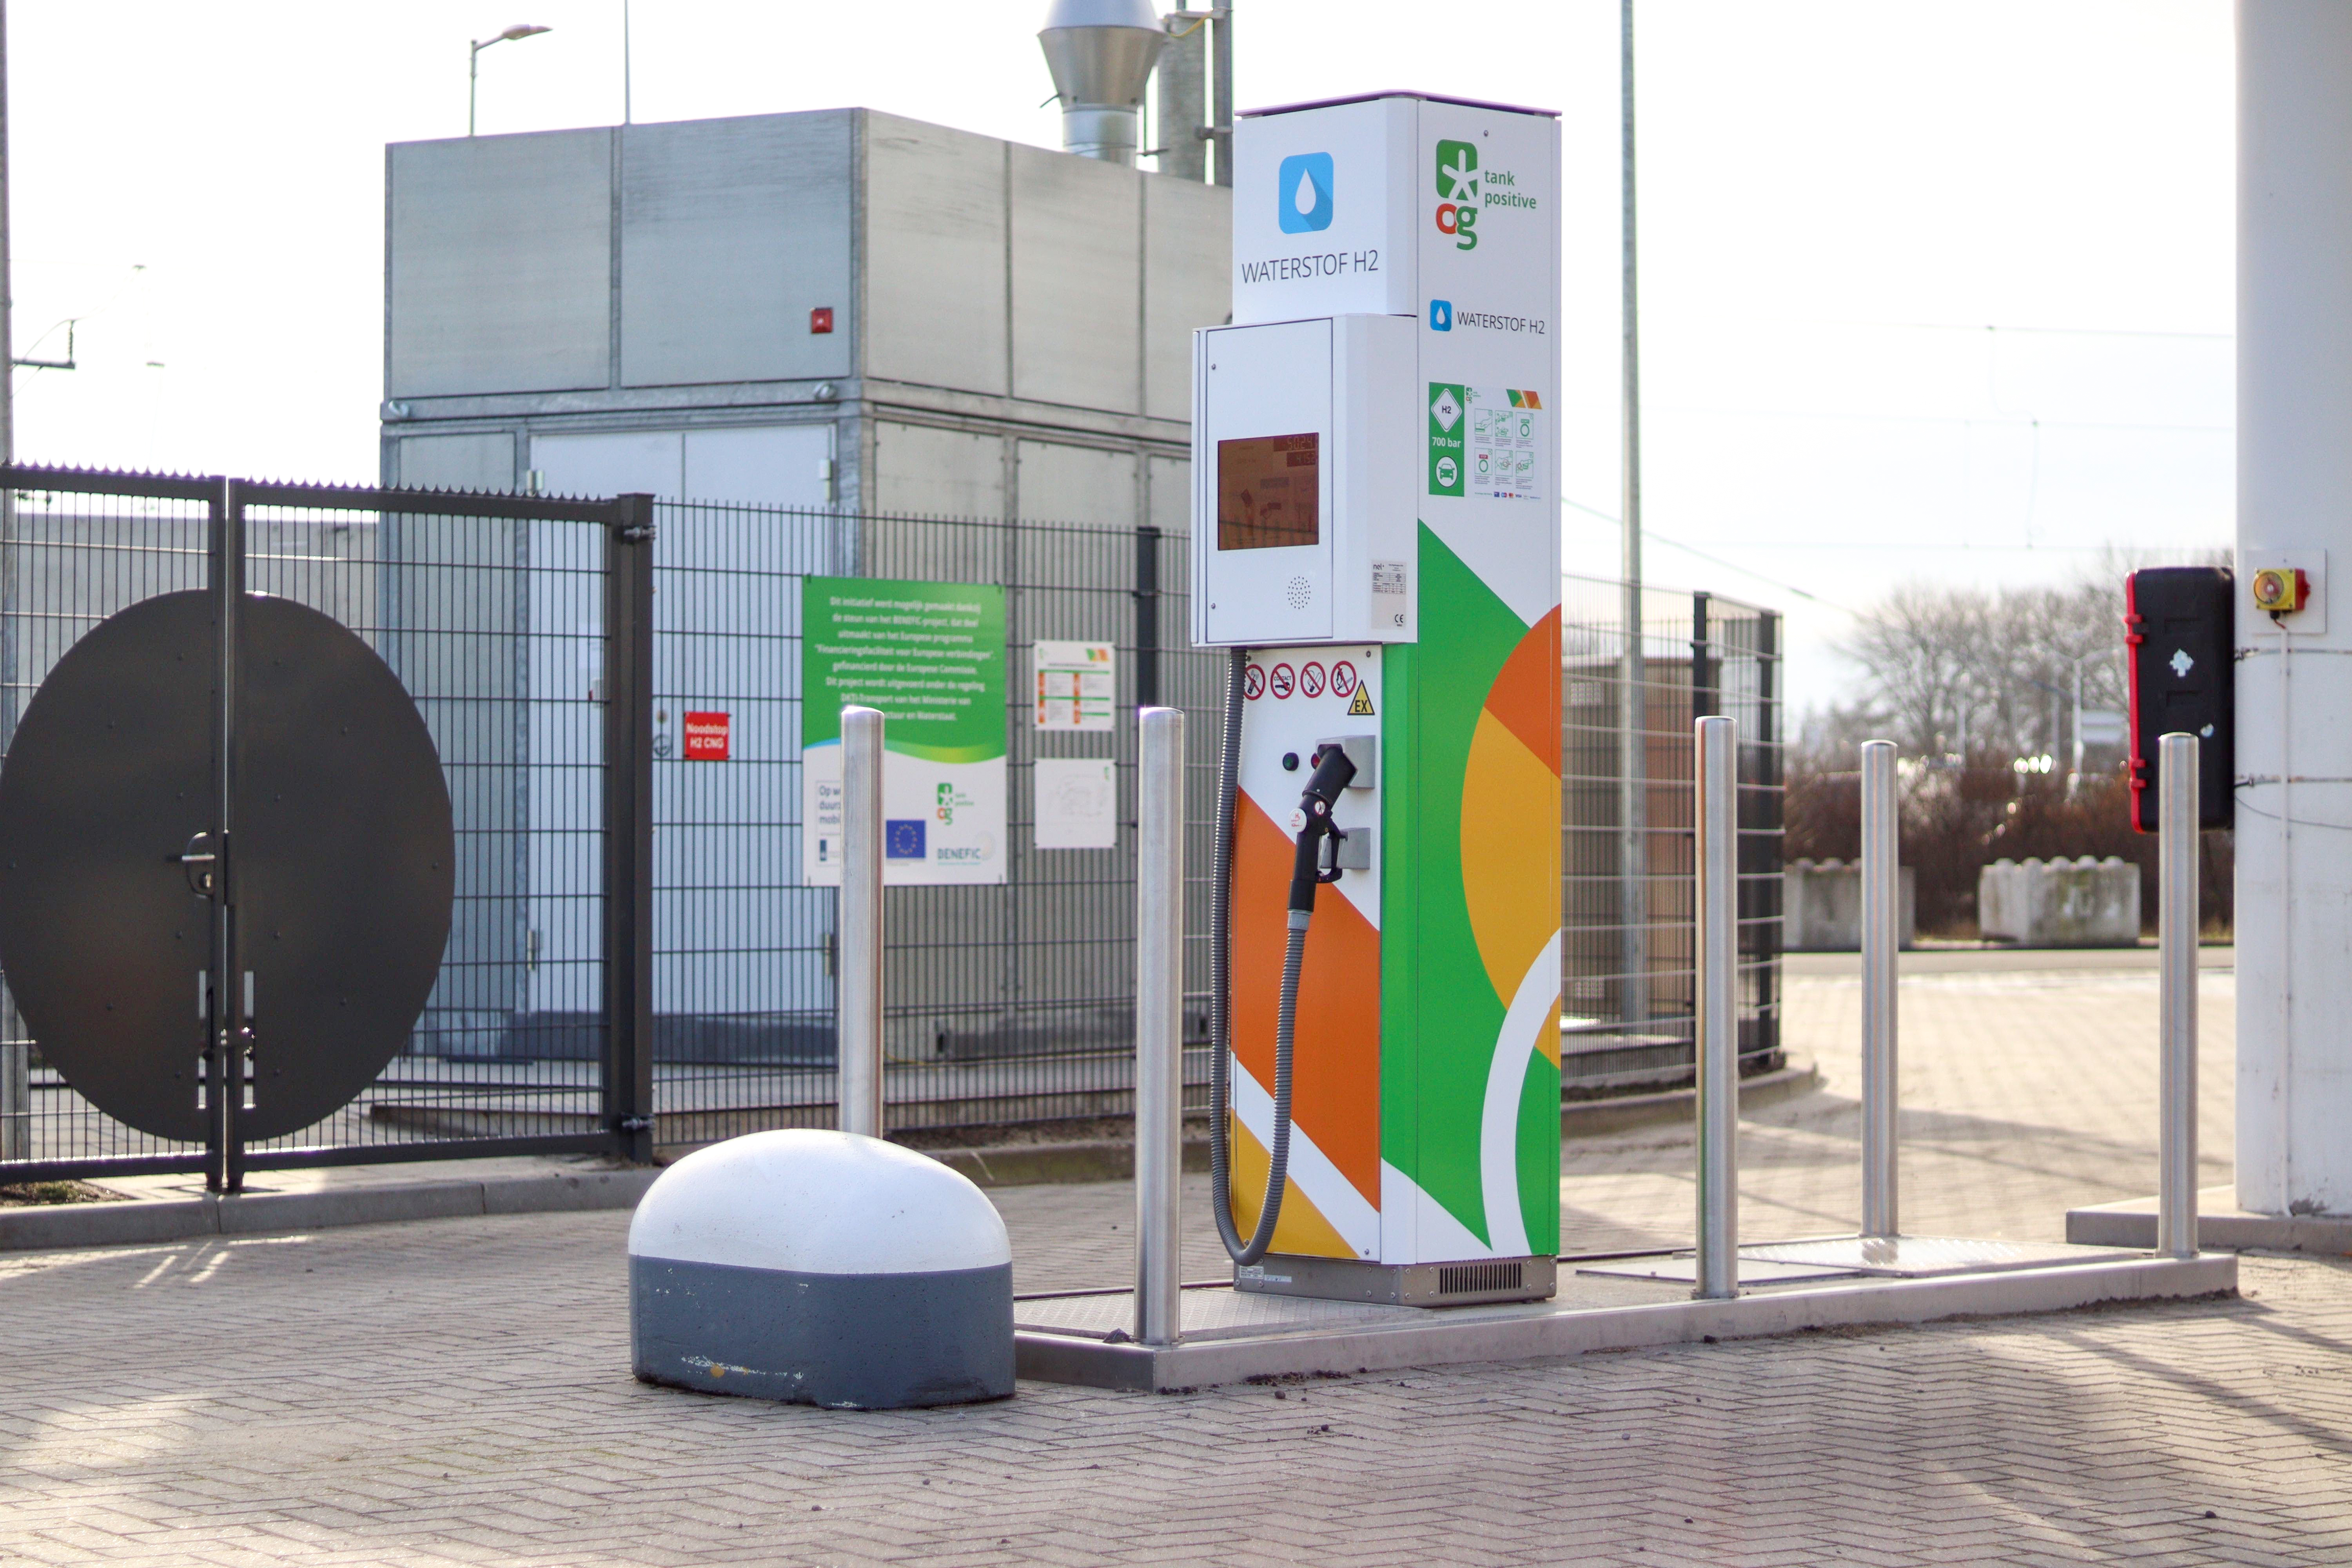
{"points": [[474, 61]]}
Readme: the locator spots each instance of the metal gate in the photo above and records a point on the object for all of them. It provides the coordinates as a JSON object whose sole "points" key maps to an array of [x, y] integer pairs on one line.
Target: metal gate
{"points": [[481, 605]]}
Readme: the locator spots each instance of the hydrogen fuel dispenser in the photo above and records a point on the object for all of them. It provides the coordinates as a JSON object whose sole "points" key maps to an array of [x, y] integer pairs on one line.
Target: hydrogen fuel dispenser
{"points": [[1376, 542]]}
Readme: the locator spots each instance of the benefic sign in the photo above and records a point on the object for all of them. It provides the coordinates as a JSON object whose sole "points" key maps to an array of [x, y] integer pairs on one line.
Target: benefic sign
{"points": [[930, 657]]}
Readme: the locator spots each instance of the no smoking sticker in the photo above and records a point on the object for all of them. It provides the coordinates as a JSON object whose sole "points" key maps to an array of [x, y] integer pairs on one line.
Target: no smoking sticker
{"points": [[1253, 682], [1282, 681], [1343, 678], [1310, 679]]}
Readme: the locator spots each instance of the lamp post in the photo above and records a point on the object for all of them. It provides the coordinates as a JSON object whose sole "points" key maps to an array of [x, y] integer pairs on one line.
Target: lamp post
{"points": [[473, 61]]}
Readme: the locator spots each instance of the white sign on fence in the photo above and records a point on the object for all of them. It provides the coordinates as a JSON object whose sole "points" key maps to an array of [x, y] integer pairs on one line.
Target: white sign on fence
{"points": [[1077, 804], [1076, 685]]}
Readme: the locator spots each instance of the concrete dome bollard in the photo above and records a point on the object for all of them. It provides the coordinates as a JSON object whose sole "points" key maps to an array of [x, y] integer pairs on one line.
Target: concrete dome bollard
{"points": [[820, 1269]]}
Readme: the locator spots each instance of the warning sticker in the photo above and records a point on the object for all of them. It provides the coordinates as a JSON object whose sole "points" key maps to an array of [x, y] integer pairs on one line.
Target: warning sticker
{"points": [[1504, 461], [1361, 708]]}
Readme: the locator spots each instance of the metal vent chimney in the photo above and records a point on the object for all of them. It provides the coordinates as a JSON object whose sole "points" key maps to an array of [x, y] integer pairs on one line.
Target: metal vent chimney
{"points": [[1102, 53]]}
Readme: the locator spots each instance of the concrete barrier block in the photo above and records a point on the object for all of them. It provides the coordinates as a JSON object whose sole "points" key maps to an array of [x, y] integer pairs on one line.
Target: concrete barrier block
{"points": [[1820, 906], [2083, 902], [820, 1269]]}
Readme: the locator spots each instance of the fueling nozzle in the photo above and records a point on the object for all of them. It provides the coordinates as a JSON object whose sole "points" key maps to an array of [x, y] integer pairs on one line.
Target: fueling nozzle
{"points": [[1316, 861]]}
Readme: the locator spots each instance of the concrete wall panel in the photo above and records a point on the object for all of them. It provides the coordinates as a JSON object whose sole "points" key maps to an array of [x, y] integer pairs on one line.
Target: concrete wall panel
{"points": [[935, 300], [731, 232], [938, 473], [1076, 484], [1188, 235], [612, 463], [501, 269], [766, 464], [481, 462], [1170, 495], [1076, 270]]}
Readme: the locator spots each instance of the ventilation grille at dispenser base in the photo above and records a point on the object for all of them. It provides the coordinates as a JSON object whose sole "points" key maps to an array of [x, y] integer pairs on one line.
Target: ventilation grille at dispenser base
{"points": [[1477, 1279]]}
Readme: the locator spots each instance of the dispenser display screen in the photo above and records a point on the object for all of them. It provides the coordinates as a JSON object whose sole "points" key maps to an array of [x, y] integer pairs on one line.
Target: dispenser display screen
{"points": [[1267, 492]]}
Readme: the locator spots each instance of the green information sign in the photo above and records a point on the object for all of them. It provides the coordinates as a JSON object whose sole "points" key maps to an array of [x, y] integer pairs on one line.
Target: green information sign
{"points": [[930, 657]]}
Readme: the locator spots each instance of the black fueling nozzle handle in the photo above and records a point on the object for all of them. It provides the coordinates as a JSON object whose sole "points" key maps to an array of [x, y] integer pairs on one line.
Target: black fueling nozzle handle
{"points": [[1332, 770]]}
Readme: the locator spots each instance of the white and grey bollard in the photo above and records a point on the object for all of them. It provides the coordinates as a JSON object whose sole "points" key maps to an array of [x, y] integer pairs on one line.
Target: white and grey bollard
{"points": [[2177, 815], [1716, 785], [1882, 933], [1159, 1025], [859, 1010], [820, 1268]]}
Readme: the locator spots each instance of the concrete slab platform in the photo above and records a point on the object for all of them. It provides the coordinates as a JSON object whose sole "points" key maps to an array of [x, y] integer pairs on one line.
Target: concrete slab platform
{"points": [[1891, 1257], [1682, 1268], [2222, 1225], [1232, 1337]]}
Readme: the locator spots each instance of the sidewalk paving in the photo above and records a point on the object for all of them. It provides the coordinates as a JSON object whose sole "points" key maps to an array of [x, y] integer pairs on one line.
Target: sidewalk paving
{"points": [[456, 1391]]}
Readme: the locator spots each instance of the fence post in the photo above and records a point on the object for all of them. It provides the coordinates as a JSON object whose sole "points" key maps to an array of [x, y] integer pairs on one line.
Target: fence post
{"points": [[1147, 616], [858, 1034], [16, 1045], [629, 827], [2178, 807], [1159, 1025], [1717, 783], [225, 1051], [1882, 905]]}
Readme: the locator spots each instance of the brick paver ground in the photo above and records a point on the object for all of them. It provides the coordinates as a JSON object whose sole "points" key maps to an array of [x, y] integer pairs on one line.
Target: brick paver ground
{"points": [[456, 1391]]}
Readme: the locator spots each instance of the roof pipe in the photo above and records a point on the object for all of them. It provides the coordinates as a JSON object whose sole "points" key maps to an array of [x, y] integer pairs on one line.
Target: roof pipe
{"points": [[1102, 53]]}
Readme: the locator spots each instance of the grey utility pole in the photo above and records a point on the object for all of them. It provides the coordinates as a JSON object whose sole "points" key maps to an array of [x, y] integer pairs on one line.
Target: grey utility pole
{"points": [[1221, 126], [1183, 73], [1633, 794]]}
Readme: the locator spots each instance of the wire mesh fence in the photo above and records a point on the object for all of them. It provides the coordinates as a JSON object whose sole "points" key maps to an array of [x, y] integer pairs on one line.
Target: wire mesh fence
{"points": [[1006, 1003], [1632, 685]]}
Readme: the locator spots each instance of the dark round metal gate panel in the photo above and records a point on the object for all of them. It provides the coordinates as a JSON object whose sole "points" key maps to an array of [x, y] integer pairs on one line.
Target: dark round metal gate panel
{"points": [[342, 862]]}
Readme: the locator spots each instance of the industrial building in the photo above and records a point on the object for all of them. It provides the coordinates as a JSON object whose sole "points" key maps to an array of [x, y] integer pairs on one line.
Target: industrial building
{"points": [[840, 307], [842, 313]]}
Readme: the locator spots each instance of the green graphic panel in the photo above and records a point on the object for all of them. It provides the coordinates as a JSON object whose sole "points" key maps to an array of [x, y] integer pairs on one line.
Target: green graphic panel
{"points": [[930, 656], [1538, 1154], [1441, 1016]]}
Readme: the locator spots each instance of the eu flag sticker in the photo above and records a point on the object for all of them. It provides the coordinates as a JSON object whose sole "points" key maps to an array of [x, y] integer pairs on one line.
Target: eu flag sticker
{"points": [[902, 839]]}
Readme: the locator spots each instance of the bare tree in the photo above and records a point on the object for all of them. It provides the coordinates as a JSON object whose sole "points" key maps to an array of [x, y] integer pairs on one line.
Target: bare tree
{"points": [[1953, 670]]}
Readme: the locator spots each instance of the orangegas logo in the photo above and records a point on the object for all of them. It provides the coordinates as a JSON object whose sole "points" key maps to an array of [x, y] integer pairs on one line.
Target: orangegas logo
{"points": [[1457, 190]]}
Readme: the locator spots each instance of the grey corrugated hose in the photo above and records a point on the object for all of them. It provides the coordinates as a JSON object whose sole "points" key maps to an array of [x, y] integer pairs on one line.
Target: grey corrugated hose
{"points": [[1221, 1009]]}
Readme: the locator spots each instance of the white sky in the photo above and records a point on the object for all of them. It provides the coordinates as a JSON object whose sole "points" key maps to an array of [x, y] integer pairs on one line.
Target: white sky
{"points": [[1928, 290]]}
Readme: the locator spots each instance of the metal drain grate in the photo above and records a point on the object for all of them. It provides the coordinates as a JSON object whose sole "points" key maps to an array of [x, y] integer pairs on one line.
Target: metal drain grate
{"points": [[1469, 1278]]}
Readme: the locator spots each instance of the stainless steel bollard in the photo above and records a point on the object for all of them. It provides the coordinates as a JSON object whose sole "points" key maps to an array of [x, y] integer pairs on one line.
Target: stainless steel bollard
{"points": [[1159, 1026], [1718, 1009], [860, 966], [2176, 922], [1882, 934]]}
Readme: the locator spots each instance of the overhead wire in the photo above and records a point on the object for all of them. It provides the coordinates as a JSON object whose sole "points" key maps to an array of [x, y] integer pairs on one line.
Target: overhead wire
{"points": [[1649, 534]]}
